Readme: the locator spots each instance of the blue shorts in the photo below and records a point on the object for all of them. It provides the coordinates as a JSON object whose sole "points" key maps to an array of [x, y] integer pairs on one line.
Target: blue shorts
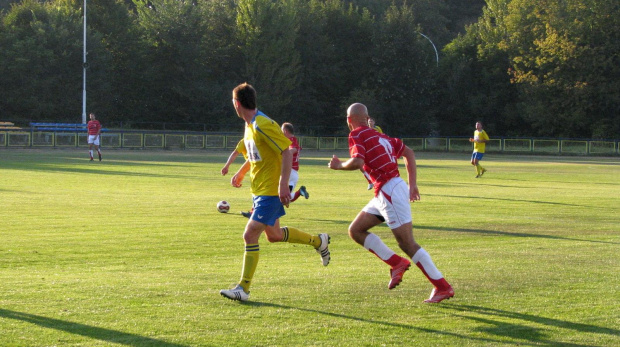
{"points": [[477, 155], [267, 209]]}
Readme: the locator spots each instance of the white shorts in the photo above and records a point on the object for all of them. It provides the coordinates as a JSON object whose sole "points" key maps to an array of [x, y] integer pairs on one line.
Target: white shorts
{"points": [[392, 203], [292, 181], [93, 139]]}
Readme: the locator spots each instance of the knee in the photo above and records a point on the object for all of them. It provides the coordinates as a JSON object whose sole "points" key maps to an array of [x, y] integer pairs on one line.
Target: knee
{"points": [[357, 235], [250, 237], [273, 238], [274, 234]]}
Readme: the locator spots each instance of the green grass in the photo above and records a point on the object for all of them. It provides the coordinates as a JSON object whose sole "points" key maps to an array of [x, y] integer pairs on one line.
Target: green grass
{"points": [[131, 252]]}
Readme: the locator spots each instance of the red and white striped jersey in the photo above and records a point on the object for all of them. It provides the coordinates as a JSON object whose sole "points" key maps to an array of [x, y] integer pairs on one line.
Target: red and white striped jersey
{"points": [[379, 152], [295, 144], [93, 127]]}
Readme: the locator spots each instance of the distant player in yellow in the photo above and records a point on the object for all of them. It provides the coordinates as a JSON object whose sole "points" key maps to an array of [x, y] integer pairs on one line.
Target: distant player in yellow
{"points": [[372, 125], [269, 161], [480, 139]]}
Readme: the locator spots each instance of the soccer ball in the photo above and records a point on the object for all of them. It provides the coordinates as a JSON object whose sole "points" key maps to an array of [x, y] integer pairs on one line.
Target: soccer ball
{"points": [[223, 206]]}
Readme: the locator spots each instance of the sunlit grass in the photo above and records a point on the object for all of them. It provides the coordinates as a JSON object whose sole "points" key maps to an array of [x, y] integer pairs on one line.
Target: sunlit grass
{"points": [[131, 251]]}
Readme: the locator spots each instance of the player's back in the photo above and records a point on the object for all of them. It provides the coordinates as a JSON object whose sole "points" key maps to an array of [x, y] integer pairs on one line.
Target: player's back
{"points": [[379, 152], [264, 143]]}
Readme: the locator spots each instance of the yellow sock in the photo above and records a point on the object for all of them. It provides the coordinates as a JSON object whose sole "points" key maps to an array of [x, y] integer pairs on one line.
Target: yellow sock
{"points": [[478, 169], [250, 262], [294, 235]]}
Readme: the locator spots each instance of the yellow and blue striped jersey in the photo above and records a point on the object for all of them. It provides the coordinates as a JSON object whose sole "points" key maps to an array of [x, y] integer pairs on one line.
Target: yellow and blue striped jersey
{"points": [[264, 143]]}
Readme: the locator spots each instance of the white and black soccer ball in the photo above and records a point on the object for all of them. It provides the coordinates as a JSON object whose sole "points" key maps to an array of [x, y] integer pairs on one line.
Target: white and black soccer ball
{"points": [[223, 206]]}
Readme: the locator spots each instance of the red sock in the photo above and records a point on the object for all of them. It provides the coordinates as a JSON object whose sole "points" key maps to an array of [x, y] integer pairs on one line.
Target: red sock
{"points": [[440, 284], [297, 194], [392, 261]]}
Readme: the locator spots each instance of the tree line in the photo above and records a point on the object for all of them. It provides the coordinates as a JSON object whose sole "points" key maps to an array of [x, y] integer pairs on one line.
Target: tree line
{"points": [[523, 67]]}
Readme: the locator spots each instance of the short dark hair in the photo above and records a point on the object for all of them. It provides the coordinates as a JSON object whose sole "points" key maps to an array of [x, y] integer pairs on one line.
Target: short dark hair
{"points": [[289, 127], [246, 95]]}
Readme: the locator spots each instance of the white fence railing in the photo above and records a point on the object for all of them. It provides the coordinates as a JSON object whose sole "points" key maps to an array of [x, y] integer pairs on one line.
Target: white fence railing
{"points": [[187, 140]]}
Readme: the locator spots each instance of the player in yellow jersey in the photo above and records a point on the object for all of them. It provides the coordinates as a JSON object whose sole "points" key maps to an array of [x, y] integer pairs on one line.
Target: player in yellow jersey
{"points": [[372, 125], [480, 139], [269, 160]]}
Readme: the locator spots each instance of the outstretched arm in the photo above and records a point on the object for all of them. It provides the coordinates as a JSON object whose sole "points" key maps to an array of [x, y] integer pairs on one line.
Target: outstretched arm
{"points": [[230, 160], [349, 165]]}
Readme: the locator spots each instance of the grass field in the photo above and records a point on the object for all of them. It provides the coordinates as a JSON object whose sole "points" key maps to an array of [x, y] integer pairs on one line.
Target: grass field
{"points": [[132, 252]]}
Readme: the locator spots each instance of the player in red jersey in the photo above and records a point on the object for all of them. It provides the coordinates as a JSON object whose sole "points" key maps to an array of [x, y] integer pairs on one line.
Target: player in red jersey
{"points": [[377, 154], [94, 132], [289, 132]]}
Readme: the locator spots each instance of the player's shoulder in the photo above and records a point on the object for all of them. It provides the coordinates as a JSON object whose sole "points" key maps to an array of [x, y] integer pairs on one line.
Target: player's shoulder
{"points": [[262, 117], [361, 131]]}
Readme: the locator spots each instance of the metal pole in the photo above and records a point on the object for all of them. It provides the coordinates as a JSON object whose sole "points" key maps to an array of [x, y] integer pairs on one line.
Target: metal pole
{"points": [[84, 67], [429, 40]]}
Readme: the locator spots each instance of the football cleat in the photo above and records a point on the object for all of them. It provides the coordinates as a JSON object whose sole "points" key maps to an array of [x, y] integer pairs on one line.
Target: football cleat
{"points": [[370, 186], [236, 293], [323, 249], [438, 295], [246, 214], [397, 273], [304, 192]]}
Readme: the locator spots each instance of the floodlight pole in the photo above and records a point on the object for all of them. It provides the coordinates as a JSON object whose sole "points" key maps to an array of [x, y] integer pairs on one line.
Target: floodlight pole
{"points": [[84, 67], [429, 40]]}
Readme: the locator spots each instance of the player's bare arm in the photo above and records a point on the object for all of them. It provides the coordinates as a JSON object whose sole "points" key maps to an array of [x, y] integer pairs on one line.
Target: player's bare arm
{"points": [[352, 164], [409, 158], [283, 190], [231, 159], [237, 180]]}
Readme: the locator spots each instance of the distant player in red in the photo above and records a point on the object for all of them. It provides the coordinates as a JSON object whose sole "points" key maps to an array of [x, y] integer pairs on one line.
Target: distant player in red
{"points": [[94, 132], [289, 132], [377, 154]]}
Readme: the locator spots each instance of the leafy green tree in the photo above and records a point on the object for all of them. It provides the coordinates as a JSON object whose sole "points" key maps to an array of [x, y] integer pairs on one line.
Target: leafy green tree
{"points": [[344, 62], [174, 67], [475, 80], [41, 62], [563, 62], [267, 31], [405, 71]]}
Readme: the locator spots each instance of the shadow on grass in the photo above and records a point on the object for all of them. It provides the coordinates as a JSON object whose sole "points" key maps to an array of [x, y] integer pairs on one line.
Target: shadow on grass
{"points": [[505, 233], [102, 334], [92, 169], [531, 334], [539, 339], [564, 182], [468, 197]]}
